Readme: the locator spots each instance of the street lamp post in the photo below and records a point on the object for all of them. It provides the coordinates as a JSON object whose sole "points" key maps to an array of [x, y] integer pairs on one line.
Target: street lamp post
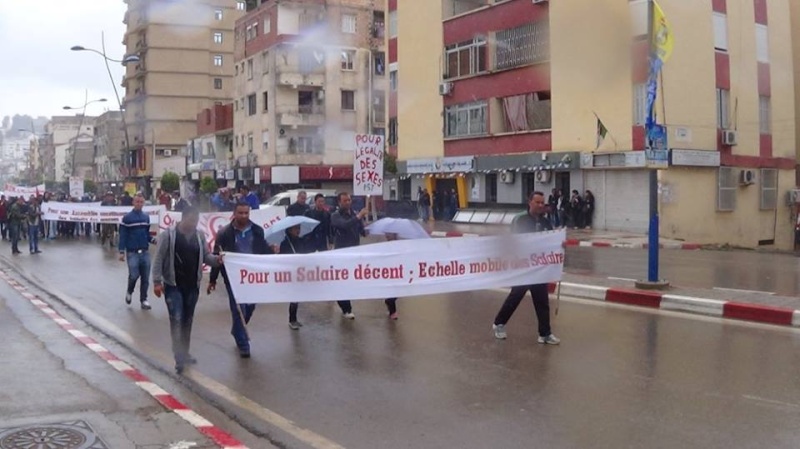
{"points": [[86, 103], [124, 61]]}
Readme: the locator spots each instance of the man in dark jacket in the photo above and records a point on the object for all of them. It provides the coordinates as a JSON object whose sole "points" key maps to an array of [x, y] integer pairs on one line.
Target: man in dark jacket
{"points": [[16, 217], [134, 245], [240, 236], [347, 229], [299, 207], [318, 239], [3, 217], [533, 221]]}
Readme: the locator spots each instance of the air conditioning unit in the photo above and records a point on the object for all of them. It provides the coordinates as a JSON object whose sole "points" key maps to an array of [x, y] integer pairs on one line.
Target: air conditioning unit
{"points": [[747, 177], [544, 176], [793, 197], [167, 153], [507, 177], [729, 138], [445, 88]]}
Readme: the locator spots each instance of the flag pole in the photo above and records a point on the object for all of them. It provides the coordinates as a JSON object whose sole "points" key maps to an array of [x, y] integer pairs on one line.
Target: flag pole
{"points": [[653, 243]]}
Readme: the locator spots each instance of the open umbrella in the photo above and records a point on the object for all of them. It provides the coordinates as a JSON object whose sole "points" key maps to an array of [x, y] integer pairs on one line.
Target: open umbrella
{"points": [[276, 233], [405, 229]]}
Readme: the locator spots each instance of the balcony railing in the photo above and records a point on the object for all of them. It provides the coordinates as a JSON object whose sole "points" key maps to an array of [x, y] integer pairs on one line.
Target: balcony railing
{"points": [[301, 115]]}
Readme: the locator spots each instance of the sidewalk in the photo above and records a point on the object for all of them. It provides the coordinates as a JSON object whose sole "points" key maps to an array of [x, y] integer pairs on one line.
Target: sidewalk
{"points": [[63, 389], [575, 237]]}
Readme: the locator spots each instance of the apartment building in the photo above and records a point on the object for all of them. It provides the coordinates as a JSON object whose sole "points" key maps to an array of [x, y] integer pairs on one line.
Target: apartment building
{"points": [[55, 150], [186, 51], [309, 76], [109, 144], [522, 85], [210, 153]]}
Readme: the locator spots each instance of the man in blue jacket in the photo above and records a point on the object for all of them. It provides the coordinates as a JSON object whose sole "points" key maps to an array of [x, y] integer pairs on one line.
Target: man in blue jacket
{"points": [[134, 241]]}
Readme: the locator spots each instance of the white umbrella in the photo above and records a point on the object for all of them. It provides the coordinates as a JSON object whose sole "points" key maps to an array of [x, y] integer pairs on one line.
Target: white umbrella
{"points": [[276, 233], [405, 229]]}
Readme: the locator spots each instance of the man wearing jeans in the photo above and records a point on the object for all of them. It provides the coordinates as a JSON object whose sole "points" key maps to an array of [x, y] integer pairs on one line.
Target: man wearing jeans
{"points": [[533, 221], [34, 220], [134, 240], [177, 272]]}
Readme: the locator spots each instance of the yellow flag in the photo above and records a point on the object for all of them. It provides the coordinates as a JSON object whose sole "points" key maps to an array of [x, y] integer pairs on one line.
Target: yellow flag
{"points": [[663, 40]]}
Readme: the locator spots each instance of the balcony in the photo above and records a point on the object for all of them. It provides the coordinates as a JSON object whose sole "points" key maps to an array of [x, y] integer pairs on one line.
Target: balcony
{"points": [[307, 71], [301, 115]]}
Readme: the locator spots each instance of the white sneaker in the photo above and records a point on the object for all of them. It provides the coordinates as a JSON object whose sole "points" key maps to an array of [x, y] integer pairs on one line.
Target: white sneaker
{"points": [[549, 340], [349, 315], [499, 331], [128, 298]]}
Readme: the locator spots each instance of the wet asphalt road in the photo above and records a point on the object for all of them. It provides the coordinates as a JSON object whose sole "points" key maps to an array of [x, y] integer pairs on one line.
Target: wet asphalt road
{"points": [[437, 378]]}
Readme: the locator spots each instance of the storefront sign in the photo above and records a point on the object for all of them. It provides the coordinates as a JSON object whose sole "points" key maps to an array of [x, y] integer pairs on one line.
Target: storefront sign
{"points": [[455, 164], [695, 158]]}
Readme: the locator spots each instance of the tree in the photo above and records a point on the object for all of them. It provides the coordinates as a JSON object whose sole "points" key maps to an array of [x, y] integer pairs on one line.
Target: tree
{"points": [[208, 185], [390, 164], [89, 186], [170, 182]]}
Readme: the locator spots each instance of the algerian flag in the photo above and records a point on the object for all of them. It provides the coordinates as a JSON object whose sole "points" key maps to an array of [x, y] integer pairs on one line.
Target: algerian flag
{"points": [[602, 131]]}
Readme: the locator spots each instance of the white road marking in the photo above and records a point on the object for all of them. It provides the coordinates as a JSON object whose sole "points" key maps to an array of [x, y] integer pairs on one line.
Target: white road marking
{"points": [[612, 278], [193, 418], [152, 388]]}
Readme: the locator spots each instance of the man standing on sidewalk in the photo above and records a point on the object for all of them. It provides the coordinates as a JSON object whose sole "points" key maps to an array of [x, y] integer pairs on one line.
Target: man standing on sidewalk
{"points": [[240, 236], [533, 221], [347, 229], [134, 241], [16, 218], [177, 272], [3, 217], [34, 220]]}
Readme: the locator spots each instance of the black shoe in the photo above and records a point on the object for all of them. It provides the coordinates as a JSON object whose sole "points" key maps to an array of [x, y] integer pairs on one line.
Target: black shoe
{"points": [[191, 360], [37, 252], [179, 368], [244, 353]]}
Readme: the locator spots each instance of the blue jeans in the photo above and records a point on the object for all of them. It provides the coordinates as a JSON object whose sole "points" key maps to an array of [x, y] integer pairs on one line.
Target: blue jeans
{"points": [[139, 266], [33, 238], [240, 316], [180, 305], [14, 229]]}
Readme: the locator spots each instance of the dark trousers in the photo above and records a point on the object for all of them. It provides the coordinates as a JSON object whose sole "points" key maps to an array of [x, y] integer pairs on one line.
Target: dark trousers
{"points": [[181, 303], [292, 312], [4, 228], [346, 306], [391, 305], [138, 267], [14, 230], [541, 302], [33, 238], [240, 316]]}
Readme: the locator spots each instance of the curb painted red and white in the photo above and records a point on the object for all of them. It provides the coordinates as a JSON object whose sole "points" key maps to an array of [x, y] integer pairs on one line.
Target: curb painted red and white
{"points": [[723, 309], [217, 435], [587, 243]]}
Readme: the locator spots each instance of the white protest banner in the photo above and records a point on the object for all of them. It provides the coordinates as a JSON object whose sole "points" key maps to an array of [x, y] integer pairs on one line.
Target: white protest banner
{"points": [[398, 268], [211, 223], [368, 165], [15, 190], [90, 213], [76, 186]]}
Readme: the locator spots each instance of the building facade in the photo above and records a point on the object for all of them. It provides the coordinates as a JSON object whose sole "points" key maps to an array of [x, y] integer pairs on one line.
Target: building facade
{"points": [[309, 76], [210, 153], [59, 132], [186, 64], [523, 86], [109, 145]]}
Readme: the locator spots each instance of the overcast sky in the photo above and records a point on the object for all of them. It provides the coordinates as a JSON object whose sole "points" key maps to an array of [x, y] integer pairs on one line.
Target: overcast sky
{"points": [[38, 72]]}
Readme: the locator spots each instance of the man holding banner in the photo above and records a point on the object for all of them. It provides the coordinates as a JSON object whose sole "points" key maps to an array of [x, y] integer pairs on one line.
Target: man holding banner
{"points": [[347, 228], [240, 236], [533, 221]]}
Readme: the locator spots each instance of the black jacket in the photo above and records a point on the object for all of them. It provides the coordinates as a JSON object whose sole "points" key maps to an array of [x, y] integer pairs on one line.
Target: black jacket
{"points": [[295, 245], [525, 223], [347, 229], [226, 241], [318, 239], [296, 209]]}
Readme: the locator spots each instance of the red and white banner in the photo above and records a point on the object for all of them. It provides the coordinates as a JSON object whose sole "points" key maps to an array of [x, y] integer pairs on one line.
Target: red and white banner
{"points": [[26, 191], [368, 165], [93, 212], [399, 268], [211, 223]]}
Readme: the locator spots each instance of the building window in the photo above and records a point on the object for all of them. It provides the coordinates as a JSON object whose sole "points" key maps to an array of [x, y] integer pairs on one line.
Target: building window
{"points": [[526, 44], [491, 188], [720, 31], [526, 112], [723, 108], [379, 62], [348, 100], [218, 60], [218, 14], [241, 6], [349, 23], [392, 24], [769, 189], [217, 37], [764, 115], [379, 106], [236, 139], [267, 25], [726, 192], [639, 104], [393, 80], [393, 131], [266, 101], [378, 25], [250, 142], [265, 140], [265, 62], [249, 69], [251, 104], [466, 58], [762, 43], [218, 83], [236, 105], [465, 120], [348, 59]]}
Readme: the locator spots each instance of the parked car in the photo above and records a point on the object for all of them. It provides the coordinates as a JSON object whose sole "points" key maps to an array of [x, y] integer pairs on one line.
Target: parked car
{"points": [[290, 196]]}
